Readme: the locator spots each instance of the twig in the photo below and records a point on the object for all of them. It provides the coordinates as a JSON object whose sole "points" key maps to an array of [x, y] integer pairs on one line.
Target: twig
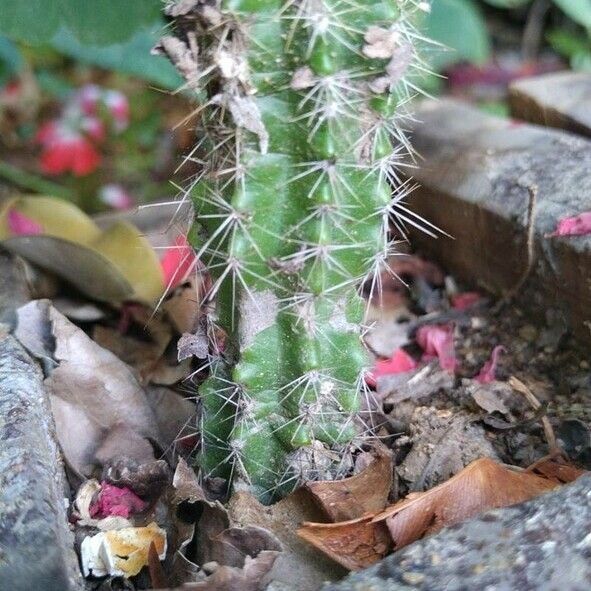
{"points": [[531, 248], [520, 387], [533, 31]]}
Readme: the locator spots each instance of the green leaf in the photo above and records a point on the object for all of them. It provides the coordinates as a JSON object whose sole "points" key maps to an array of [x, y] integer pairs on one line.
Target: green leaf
{"points": [[567, 44], [132, 57], [508, 3], [578, 10], [459, 26], [97, 22]]}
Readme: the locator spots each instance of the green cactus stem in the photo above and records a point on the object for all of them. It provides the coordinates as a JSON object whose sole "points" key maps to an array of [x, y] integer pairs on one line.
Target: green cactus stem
{"points": [[299, 139]]}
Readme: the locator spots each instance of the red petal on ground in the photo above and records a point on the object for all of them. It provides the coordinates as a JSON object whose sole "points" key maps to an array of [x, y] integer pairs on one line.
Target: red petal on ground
{"points": [[56, 159], [47, 133], [112, 500], [400, 362], [463, 301], [579, 225], [21, 225], [178, 262], [488, 372], [438, 341]]}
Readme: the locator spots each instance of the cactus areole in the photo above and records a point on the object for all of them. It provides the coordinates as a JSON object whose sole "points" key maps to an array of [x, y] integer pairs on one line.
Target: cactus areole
{"points": [[298, 139]]}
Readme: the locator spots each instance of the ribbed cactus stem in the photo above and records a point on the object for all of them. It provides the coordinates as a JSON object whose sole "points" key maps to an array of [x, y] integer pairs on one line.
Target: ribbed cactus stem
{"points": [[299, 141]]}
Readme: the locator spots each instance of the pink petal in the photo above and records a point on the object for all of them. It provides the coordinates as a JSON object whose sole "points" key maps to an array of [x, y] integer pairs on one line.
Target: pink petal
{"points": [[178, 262], [118, 106], [115, 196], [94, 128], [488, 372], [400, 362], [48, 132], [21, 225], [438, 341], [579, 225], [88, 97], [113, 500], [463, 301]]}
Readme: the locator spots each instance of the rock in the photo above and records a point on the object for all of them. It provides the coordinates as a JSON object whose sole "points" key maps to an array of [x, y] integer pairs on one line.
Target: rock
{"points": [[554, 100], [544, 544], [36, 545], [475, 175]]}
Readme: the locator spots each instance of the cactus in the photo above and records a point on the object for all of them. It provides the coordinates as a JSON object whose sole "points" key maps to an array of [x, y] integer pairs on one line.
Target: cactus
{"points": [[299, 144]]}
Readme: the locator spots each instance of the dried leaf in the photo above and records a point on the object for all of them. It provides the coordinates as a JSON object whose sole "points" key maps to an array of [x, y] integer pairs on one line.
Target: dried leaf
{"points": [[147, 479], [182, 305], [113, 265], [354, 544], [482, 485], [176, 415], [157, 576], [299, 566], [556, 470], [122, 441], [358, 495], [91, 390]]}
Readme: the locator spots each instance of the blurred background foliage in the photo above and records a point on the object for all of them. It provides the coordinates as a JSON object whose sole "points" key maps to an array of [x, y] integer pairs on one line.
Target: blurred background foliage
{"points": [[50, 49]]}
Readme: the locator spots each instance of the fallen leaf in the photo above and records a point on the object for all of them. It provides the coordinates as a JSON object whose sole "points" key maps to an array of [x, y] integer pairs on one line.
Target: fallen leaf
{"points": [[157, 577], [488, 372], [579, 225], [556, 470], [438, 341], [121, 440], [400, 362], [488, 398], [182, 306], [481, 486], [299, 566], [112, 265], [147, 479], [175, 414], [354, 544], [114, 500], [79, 310], [353, 497], [91, 390]]}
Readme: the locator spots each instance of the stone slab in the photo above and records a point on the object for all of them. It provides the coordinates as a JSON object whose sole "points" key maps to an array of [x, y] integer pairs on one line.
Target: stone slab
{"points": [[36, 546], [561, 100], [474, 177], [541, 545]]}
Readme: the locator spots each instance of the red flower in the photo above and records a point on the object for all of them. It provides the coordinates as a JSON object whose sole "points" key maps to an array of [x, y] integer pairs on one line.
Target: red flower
{"points": [[66, 150]]}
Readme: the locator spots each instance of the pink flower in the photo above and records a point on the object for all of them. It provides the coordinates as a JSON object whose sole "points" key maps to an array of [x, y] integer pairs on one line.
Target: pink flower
{"points": [[118, 107], [438, 341], [400, 362], [488, 372], [112, 500], [579, 225], [94, 128], [21, 225], [463, 301], [87, 98], [66, 150], [115, 196], [178, 262]]}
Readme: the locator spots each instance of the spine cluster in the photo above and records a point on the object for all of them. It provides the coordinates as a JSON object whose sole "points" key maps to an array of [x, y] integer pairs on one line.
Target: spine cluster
{"points": [[300, 139]]}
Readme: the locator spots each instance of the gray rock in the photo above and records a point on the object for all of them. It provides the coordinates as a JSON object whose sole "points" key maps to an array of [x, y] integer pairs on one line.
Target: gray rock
{"points": [[36, 546], [541, 545]]}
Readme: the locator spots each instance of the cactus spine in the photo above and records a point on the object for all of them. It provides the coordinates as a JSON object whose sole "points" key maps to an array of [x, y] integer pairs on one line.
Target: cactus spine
{"points": [[299, 143]]}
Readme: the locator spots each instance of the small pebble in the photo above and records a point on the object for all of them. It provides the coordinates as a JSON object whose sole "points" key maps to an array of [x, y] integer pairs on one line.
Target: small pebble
{"points": [[413, 578], [528, 333]]}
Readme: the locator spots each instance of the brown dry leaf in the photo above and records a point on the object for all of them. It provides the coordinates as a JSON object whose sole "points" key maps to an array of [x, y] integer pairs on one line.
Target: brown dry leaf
{"points": [[91, 390], [482, 485], [299, 567], [182, 305], [556, 469], [354, 544], [359, 495]]}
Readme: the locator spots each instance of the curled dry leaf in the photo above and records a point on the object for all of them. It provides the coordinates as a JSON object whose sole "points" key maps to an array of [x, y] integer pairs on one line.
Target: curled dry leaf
{"points": [[482, 485], [350, 498], [147, 479], [92, 392], [556, 469], [354, 544]]}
